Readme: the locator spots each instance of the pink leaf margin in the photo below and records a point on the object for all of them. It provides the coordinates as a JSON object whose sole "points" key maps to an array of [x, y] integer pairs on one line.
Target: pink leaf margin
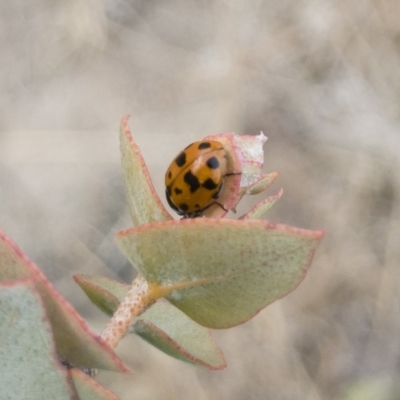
{"points": [[181, 349], [110, 360], [134, 152], [30, 283]]}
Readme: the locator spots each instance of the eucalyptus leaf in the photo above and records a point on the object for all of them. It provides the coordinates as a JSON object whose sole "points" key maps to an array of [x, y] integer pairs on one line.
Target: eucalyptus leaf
{"points": [[29, 368], [220, 272], [171, 331], [143, 202], [162, 325], [89, 389], [75, 343], [262, 207], [103, 292]]}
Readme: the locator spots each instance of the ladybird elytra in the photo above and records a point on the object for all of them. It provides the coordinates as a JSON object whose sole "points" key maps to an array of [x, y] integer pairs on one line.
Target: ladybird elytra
{"points": [[195, 177]]}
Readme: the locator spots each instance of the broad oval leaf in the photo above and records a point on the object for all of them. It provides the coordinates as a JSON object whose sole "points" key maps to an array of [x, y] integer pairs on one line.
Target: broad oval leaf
{"points": [[220, 272], [162, 325], [29, 368]]}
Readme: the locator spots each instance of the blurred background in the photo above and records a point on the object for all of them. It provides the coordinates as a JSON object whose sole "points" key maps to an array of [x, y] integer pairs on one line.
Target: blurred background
{"points": [[320, 79]]}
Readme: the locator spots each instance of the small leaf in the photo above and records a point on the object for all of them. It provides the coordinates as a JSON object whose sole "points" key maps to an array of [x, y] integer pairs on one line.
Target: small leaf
{"points": [[168, 329], [162, 325], [262, 207], [143, 202], [75, 343], [89, 389], [29, 368], [261, 184], [220, 272], [105, 293]]}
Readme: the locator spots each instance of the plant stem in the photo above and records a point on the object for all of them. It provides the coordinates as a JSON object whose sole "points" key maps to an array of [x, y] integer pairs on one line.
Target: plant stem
{"points": [[135, 303]]}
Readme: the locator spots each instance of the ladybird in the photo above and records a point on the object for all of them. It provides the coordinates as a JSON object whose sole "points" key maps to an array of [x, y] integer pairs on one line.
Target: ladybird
{"points": [[195, 177]]}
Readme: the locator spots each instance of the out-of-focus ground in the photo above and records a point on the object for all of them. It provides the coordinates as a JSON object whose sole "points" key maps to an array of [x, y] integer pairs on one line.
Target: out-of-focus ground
{"points": [[320, 79]]}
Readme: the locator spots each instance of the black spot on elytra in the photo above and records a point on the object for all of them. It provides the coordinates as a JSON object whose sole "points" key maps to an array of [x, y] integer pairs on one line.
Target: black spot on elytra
{"points": [[204, 145], [169, 175], [168, 191], [177, 191], [183, 207], [192, 181], [181, 160], [210, 184], [197, 206], [212, 163]]}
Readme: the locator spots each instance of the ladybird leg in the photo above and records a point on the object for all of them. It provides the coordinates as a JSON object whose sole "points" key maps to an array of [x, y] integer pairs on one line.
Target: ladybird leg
{"points": [[217, 193], [233, 173], [215, 196], [212, 204], [221, 205], [232, 209], [199, 213], [194, 214]]}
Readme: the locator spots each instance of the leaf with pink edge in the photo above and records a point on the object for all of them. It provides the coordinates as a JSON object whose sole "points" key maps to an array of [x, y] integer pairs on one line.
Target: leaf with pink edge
{"points": [[143, 202], [261, 184], [262, 207], [245, 158], [29, 368], [89, 389], [162, 325], [174, 333], [220, 272], [103, 292], [75, 343]]}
